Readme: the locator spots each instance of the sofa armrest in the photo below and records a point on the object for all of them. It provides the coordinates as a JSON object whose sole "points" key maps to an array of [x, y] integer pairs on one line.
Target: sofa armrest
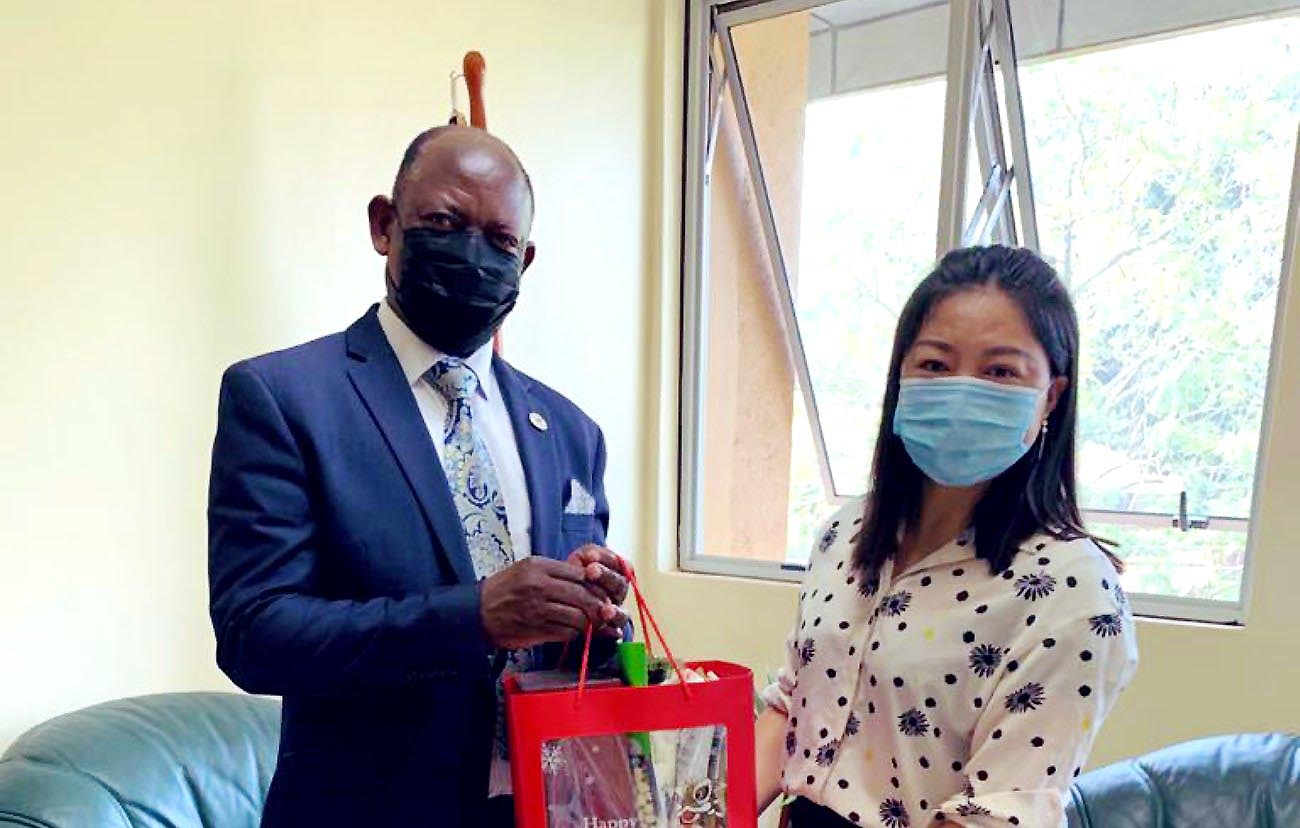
{"points": [[35, 795]]}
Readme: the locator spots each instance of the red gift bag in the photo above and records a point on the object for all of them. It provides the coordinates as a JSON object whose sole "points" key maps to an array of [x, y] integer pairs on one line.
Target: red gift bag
{"points": [[662, 756]]}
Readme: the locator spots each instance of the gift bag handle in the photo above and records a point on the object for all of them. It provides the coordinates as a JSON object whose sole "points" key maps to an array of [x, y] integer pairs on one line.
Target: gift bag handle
{"points": [[648, 623]]}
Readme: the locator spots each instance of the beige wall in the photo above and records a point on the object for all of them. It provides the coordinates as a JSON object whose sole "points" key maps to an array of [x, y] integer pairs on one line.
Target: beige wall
{"points": [[185, 184], [187, 187], [120, 167]]}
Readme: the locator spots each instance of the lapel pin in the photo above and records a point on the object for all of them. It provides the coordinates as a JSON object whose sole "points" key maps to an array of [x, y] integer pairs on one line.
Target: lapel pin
{"points": [[538, 421]]}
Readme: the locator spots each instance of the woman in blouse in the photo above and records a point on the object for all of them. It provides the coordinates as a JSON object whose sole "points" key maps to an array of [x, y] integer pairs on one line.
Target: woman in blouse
{"points": [[960, 636]]}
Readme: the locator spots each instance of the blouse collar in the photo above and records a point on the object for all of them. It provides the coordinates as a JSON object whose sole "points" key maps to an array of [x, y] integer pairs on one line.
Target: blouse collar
{"points": [[958, 550]]}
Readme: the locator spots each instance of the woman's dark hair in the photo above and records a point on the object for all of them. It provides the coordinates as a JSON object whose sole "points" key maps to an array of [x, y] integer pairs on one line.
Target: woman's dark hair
{"points": [[1037, 494]]}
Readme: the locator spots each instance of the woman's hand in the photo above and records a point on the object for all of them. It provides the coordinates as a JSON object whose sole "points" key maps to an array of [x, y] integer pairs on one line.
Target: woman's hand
{"points": [[769, 752]]}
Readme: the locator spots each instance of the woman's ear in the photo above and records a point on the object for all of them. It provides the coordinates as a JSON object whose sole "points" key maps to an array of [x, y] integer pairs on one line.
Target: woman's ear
{"points": [[1054, 392]]}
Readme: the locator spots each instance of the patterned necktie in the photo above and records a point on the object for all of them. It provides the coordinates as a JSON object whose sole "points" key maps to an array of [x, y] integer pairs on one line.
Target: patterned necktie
{"points": [[477, 496], [469, 470]]}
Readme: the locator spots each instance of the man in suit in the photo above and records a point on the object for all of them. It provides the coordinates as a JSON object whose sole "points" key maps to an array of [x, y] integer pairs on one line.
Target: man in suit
{"points": [[397, 516]]}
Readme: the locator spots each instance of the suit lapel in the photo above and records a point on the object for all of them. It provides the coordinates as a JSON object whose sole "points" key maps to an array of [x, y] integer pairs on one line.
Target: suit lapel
{"points": [[378, 379], [538, 455]]}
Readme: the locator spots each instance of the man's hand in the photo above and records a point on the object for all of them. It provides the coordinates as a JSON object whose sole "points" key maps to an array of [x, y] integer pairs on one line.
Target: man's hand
{"points": [[603, 571], [539, 600]]}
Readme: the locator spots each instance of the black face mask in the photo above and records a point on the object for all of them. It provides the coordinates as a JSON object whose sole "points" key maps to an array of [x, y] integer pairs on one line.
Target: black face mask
{"points": [[455, 288]]}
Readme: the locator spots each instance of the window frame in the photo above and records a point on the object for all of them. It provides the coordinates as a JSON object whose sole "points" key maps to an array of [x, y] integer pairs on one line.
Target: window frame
{"points": [[972, 101]]}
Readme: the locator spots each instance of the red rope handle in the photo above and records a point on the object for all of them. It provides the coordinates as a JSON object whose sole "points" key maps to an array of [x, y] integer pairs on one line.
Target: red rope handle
{"points": [[640, 609], [646, 616], [586, 658]]}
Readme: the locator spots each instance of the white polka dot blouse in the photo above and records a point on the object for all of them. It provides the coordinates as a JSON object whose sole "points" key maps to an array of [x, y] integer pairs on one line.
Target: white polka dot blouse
{"points": [[948, 695]]}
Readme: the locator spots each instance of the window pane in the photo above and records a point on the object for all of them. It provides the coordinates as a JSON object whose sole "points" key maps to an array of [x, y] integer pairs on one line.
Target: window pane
{"points": [[870, 205], [808, 506], [1161, 181], [852, 183], [748, 384], [1195, 564]]}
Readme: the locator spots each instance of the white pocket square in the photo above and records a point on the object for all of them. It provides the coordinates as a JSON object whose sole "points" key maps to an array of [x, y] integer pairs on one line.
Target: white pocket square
{"points": [[580, 500]]}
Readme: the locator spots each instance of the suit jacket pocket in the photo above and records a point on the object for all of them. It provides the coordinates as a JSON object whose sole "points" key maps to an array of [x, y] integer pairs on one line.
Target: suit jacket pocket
{"points": [[580, 530]]}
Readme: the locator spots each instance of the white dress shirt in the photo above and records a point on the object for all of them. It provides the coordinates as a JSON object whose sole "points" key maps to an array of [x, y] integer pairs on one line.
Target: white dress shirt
{"points": [[491, 419], [946, 695], [492, 422]]}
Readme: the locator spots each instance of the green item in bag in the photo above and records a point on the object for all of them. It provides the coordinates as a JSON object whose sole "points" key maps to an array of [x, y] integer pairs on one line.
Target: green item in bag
{"points": [[632, 661]]}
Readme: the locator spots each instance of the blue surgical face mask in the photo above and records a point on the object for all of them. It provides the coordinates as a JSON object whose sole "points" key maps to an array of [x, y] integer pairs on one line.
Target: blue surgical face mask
{"points": [[961, 431]]}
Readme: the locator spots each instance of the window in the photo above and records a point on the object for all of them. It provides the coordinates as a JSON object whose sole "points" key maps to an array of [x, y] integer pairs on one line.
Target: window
{"points": [[825, 144], [870, 195], [1162, 198]]}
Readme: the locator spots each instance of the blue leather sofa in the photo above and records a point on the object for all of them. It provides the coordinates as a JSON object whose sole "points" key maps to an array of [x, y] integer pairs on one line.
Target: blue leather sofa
{"points": [[1223, 782], [204, 760], [179, 760]]}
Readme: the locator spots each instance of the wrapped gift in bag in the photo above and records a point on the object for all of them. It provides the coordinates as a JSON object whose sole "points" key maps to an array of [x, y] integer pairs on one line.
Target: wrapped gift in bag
{"points": [[680, 753]]}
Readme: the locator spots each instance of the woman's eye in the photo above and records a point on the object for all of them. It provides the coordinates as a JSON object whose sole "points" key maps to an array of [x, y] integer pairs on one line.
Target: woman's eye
{"points": [[934, 366], [1002, 372]]}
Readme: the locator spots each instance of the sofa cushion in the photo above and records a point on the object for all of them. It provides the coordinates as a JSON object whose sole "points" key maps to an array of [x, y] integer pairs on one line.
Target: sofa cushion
{"points": [[179, 760], [1247, 781]]}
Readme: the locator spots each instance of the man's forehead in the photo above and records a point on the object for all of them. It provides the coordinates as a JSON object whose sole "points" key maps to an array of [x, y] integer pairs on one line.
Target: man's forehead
{"points": [[461, 159]]}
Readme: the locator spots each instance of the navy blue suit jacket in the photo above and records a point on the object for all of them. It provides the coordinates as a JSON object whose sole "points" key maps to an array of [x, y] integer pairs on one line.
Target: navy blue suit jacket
{"points": [[340, 578]]}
